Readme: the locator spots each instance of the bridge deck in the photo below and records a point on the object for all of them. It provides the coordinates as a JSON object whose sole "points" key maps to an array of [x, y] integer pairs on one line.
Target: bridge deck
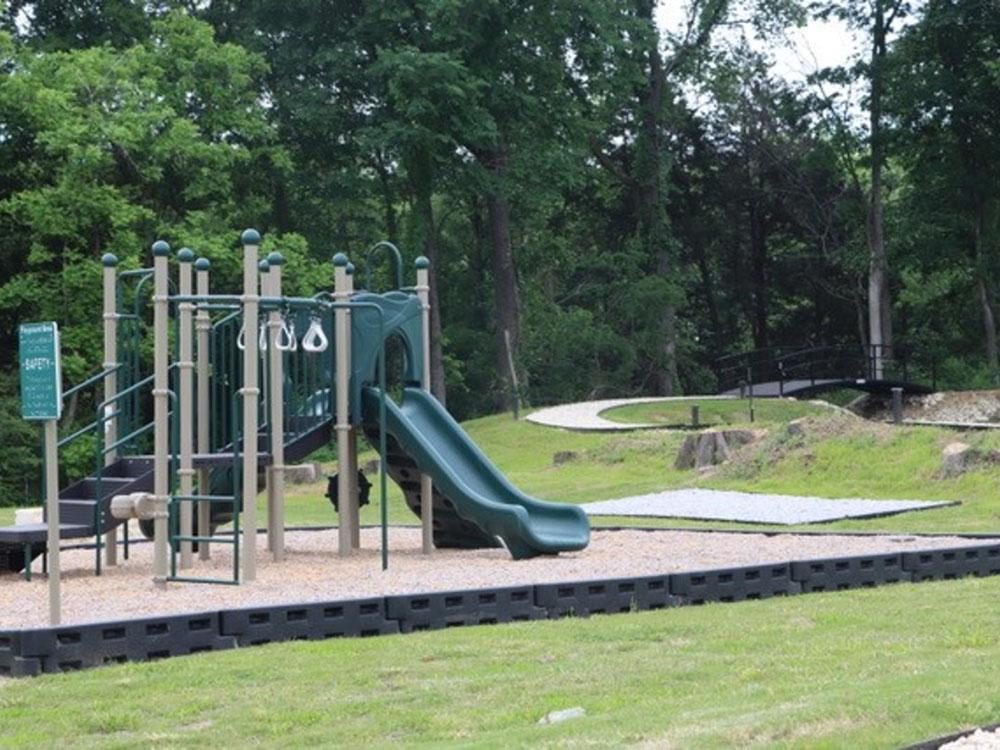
{"points": [[776, 388]]}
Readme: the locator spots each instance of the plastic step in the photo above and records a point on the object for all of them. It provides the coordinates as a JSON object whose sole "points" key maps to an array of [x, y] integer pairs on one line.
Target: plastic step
{"points": [[86, 489], [77, 511]]}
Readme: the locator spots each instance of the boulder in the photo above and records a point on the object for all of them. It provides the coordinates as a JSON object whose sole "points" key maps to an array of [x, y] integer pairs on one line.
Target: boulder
{"points": [[956, 458], [25, 516], [797, 427], [687, 452], [712, 447], [301, 474], [564, 457]]}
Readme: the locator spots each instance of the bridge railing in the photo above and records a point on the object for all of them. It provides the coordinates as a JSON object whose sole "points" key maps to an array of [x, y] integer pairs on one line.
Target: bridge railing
{"points": [[757, 366], [821, 363]]}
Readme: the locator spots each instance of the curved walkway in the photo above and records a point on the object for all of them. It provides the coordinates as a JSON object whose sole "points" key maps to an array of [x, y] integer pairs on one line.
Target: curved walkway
{"points": [[586, 415]]}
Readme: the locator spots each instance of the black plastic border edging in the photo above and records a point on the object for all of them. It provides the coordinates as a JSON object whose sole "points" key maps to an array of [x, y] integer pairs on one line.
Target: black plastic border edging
{"points": [[28, 652]]}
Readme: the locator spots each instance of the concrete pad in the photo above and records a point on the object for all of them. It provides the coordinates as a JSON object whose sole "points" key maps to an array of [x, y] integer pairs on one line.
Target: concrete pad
{"points": [[751, 507]]}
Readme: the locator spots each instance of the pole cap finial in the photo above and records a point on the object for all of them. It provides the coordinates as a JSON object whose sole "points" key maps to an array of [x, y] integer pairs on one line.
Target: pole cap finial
{"points": [[250, 237], [185, 255], [340, 260], [109, 260], [263, 266], [160, 249], [422, 263], [275, 258], [350, 269], [202, 264]]}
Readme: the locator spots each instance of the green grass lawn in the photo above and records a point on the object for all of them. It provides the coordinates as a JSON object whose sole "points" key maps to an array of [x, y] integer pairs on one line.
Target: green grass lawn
{"points": [[878, 668], [862, 669], [842, 459], [714, 412]]}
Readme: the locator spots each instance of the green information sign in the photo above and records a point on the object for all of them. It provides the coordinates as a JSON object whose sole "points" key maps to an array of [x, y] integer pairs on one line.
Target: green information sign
{"points": [[41, 379]]}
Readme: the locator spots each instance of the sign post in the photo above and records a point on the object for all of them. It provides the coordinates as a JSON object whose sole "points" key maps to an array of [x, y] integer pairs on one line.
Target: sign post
{"points": [[41, 401]]}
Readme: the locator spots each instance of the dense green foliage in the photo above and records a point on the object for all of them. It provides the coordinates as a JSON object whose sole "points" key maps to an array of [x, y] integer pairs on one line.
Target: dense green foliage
{"points": [[621, 202]]}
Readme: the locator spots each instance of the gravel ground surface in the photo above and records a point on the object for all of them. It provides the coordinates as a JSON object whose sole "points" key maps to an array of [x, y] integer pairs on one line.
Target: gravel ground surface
{"points": [[312, 570], [970, 407], [750, 507], [978, 740], [585, 415]]}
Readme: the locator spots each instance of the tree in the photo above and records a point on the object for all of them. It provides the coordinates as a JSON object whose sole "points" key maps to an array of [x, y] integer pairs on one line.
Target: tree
{"points": [[946, 96], [877, 19]]}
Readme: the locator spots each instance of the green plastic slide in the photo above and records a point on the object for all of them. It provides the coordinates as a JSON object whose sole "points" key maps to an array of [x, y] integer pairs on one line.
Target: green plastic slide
{"points": [[476, 488]]}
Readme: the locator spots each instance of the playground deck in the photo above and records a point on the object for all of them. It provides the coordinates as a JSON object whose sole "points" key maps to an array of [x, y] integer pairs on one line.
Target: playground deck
{"points": [[314, 572]]}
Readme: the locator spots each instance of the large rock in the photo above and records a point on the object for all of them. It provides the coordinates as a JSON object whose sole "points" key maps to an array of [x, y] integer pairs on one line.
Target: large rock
{"points": [[303, 473], [956, 458], [564, 457], [711, 447]]}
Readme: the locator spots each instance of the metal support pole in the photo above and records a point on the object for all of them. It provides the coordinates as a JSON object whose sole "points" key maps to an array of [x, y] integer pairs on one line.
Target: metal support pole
{"points": [[897, 405], [264, 277], [276, 396], [352, 440], [161, 406], [426, 488], [185, 341], [342, 338], [110, 274], [52, 517], [203, 328], [251, 396], [694, 415]]}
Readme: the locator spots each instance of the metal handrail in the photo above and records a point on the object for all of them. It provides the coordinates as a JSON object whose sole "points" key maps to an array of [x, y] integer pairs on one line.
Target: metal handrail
{"points": [[373, 251]]}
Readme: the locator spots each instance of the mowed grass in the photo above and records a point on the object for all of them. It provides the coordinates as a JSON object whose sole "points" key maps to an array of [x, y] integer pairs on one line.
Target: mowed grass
{"points": [[873, 668], [844, 457], [715, 411]]}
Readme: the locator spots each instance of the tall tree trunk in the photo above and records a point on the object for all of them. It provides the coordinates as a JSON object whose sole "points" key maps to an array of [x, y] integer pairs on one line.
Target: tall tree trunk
{"points": [[422, 180], [758, 274], [879, 304], [711, 301], [388, 202], [653, 224], [984, 292], [504, 279]]}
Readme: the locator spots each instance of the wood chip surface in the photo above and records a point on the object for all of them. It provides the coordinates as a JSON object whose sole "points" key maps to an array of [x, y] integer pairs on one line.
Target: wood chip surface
{"points": [[312, 570]]}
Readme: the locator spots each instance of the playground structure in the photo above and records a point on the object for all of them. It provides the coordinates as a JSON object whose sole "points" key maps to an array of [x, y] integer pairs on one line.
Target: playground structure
{"points": [[245, 395], [777, 372]]}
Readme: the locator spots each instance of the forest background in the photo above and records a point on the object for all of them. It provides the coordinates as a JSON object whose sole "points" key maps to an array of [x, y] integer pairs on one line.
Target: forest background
{"points": [[608, 202]]}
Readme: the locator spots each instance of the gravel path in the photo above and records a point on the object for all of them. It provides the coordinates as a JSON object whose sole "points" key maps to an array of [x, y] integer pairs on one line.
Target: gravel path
{"points": [[586, 415], [312, 570]]}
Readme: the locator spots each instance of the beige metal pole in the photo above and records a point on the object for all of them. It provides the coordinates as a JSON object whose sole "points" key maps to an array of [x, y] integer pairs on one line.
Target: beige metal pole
{"points": [[52, 518], [276, 518], [426, 487], [161, 406], [343, 425], [185, 401], [251, 396], [352, 438], [264, 278], [203, 327], [110, 274]]}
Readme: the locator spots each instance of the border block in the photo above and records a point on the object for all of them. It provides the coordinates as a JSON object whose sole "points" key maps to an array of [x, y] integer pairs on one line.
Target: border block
{"points": [[584, 598], [849, 572], [312, 621], [445, 609], [953, 562], [735, 584], [69, 648]]}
